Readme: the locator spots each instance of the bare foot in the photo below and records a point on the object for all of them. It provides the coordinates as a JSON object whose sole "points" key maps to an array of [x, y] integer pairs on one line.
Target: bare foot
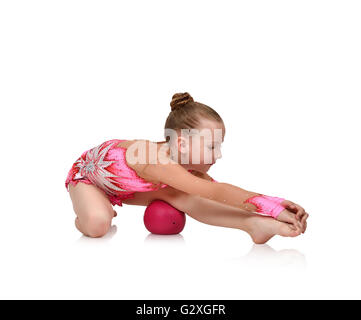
{"points": [[263, 229]]}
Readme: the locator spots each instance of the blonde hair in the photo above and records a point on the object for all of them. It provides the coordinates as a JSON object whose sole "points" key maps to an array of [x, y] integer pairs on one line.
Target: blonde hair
{"points": [[187, 113]]}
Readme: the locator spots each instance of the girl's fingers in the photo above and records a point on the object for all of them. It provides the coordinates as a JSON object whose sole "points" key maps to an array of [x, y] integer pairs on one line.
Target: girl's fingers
{"points": [[292, 226], [298, 225], [292, 207], [304, 223], [300, 213], [289, 216]]}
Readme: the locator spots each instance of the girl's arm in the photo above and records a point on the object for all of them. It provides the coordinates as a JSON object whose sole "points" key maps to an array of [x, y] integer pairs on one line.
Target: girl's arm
{"points": [[277, 204], [241, 194], [173, 174]]}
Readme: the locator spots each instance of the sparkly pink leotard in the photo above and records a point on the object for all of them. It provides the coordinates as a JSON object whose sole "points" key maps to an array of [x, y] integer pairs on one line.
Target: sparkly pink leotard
{"points": [[105, 166]]}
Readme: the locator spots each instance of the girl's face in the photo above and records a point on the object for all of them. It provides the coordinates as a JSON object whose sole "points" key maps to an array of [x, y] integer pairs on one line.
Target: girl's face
{"points": [[203, 148]]}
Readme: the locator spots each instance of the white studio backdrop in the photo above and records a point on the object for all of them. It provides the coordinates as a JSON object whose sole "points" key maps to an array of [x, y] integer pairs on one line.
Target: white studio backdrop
{"points": [[284, 76]]}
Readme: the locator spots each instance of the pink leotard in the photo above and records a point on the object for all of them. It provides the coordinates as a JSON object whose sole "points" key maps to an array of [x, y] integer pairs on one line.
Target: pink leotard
{"points": [[105, 166]]}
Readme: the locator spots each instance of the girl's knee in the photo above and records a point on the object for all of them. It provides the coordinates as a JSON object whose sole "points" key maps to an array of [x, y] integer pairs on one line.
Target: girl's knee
{"points": [[96, 226]]}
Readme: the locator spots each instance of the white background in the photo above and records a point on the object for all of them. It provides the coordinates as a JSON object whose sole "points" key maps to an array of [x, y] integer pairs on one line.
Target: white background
{"points": [[284, 76]]}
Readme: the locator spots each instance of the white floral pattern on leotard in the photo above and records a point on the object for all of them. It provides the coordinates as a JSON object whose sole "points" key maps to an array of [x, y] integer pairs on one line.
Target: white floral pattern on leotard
{"points": [[94, 168]]}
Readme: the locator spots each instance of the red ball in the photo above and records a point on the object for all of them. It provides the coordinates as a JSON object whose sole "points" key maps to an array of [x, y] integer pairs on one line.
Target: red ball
{"points": [[162, 218]]}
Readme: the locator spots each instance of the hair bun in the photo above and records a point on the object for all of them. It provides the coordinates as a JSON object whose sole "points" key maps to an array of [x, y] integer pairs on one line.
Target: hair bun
{"points": [[180, 99]]}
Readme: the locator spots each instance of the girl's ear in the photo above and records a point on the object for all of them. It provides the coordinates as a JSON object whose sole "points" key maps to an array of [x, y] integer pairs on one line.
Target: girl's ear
{"points": [[183, 144]]}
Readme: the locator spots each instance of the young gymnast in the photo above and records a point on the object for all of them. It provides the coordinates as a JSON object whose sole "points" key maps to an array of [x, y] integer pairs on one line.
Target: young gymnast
{"points": [[136, 172]]}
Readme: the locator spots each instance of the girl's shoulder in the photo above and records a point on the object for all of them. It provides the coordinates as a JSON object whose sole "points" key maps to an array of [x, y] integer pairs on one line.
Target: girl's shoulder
{"points": [[134, 164], [125, 143]]}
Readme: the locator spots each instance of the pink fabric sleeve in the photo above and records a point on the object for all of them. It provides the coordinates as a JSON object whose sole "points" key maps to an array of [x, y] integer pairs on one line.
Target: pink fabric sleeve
{"points": [[267, 205]]}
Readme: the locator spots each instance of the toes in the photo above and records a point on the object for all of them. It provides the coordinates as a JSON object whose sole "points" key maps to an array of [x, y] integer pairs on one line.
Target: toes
{"points": [[289, 217], [291, 231], [300, 213], [296, 232], [297, 224], [295, 221], [294, 225]]}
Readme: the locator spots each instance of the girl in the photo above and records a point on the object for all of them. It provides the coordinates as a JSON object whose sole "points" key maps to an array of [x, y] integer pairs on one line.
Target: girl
{"points": [[137, 172]]}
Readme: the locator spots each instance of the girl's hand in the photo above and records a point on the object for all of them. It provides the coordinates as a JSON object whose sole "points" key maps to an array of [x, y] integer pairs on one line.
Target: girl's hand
{"points": [[294, 214], [289, 217], [300, 215], [295, 208]]}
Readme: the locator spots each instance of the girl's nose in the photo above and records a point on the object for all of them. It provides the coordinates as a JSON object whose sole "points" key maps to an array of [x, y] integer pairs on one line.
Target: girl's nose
{"points": [[218, 155]]}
